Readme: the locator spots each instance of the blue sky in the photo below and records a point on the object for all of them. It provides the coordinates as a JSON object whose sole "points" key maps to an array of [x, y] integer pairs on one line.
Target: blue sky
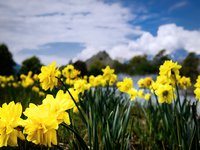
{"points": [[61, 30]]}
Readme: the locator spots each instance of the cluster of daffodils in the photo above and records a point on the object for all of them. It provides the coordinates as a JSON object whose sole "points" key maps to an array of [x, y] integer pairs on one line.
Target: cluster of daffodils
{"points": [[169, 77], [70, 74], [31, 81], [144, 84], [41, 123], [41, 129], [8, 81], [108, 78], [51, 77], [127, 86], [164, 86], [25, 81]]}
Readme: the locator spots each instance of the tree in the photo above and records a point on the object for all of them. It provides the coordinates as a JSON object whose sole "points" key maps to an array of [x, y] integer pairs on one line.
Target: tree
{"points": [[160, 57], [31, 64], [140, 65], [6, 61], [96, 68], [190, 66], [120, 67]]}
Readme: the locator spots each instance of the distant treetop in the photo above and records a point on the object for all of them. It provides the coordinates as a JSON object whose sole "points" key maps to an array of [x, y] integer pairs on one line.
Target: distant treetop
{"points": [[6, 61]]}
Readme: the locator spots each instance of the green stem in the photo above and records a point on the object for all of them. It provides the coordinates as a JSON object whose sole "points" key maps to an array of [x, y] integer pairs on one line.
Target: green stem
{"points": [[178, 132], [80, 112], [79, 138]]}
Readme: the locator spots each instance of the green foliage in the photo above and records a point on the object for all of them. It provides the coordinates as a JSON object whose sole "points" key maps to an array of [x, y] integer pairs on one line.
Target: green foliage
{"points": [[31, 64], [95, 68], [108, 118], [105, 115], [167, 126], [190, 66], [6, 61], [120, 67], [140, 65], [160, 57], [19, 94]]}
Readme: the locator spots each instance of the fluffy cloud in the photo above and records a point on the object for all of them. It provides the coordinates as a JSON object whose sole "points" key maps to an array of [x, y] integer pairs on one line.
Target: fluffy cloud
{"points": [[94, 24], [170, 37]]}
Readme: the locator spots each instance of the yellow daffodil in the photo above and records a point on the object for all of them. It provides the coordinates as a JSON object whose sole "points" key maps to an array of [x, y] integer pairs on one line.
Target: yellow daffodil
{"points": [[3, 85], [184, 82], [41, 93], [41, 125], [141, 83], [113, 79], [74, 94], [81, 85], [27, 80], [170, 69], [147, 96], [197, 93], [125, 85], [69, 81], [161, 80], [132, 93], [35, 89], [197, 90], [141, 93], [70, 72], [59, 105], [75, 110], [97, 81], [91, 80], [9, 122], [197, 84], [15, 85], [145, 82], [165, 93], [107, 73], [48, 76]]}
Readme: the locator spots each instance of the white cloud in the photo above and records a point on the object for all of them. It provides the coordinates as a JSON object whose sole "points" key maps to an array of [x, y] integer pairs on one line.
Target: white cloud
{"points": [[30, 24], [169, 37]]}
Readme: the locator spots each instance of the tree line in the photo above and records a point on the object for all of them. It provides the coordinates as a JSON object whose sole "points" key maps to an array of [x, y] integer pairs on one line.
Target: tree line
{"points": [[142, 65], [139, 64]]}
